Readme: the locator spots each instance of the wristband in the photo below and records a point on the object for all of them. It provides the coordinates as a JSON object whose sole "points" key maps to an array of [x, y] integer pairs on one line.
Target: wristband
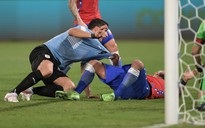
{"points": [[93, 35], [183, 82], [199, 69]]}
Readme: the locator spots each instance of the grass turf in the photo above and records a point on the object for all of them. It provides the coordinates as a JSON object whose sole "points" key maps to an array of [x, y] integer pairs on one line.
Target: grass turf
{"points": [[44, 112]]}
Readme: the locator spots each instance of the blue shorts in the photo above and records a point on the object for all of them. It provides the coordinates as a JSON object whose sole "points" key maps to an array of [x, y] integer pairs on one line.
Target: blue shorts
{"points": [[114, 76]]}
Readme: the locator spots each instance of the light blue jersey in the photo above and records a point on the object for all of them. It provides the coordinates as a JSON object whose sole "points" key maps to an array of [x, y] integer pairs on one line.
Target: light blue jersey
{"points": [[68, 49]]}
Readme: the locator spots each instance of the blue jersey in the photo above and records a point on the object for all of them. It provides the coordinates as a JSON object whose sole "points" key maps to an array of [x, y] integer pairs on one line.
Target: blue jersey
{"points": [[114, 77], [68, 49]]}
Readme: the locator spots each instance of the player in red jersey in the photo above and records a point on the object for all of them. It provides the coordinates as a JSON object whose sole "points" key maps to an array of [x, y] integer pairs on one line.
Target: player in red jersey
{"points": [[128, 82], [86, 10]]}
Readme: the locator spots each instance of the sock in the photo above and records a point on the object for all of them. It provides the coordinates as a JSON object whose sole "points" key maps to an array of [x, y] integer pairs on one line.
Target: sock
{"points": [[48, 90], [33, 78], [85, 80], [128, 80]]}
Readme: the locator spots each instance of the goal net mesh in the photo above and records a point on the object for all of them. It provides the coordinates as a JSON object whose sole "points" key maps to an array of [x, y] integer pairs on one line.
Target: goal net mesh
{"points": [[191, 14]]}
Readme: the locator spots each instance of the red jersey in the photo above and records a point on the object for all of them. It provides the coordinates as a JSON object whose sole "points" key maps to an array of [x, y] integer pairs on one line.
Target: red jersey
{"points": [[88, 10], [157, 86]]}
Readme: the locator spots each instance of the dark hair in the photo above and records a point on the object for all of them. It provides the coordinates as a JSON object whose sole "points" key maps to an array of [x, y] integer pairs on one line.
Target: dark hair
{"points": [[162, 75], [96, 22]]}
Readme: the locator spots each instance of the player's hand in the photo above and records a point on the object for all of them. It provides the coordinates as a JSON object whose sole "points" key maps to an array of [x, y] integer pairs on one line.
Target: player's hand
{"points": [[188, 74], [101, 32], [115, 59]]}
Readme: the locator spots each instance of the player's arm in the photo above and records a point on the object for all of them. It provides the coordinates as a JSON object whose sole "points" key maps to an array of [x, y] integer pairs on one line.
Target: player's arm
{"points": [[74, 10], [188, 74], [196, 49], [76, 32], [82, 33]]}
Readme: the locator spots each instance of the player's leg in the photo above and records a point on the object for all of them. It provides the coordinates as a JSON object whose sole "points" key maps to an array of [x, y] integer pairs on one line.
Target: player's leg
{"points": [[31, 79], [48, 91], [62, 83], [85, 80], [43, 69], [130, 77], [91, 68], [58, 81]]}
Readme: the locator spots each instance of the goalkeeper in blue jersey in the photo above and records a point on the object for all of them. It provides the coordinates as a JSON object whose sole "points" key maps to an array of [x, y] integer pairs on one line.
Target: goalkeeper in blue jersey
{"points": [[51, 61], [196, 52]]}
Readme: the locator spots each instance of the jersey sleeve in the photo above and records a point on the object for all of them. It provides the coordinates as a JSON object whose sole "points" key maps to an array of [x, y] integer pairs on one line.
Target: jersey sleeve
{"points": [[200, 36]]}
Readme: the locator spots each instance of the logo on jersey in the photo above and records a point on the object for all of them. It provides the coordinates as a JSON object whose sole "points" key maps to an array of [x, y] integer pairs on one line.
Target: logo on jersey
{"points": [[47, 56]]}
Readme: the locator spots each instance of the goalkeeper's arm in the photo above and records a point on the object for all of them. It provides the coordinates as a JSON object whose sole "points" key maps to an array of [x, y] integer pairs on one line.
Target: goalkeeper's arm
{"points": [[196, 49], [188, 74]]}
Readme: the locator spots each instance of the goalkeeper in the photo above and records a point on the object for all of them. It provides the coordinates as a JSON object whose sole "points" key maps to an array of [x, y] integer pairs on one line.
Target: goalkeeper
{"points": [[196, 52], [128, 82]]}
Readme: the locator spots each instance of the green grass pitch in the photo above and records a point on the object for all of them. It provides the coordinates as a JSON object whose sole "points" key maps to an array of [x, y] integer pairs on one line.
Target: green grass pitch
{"points": [[44, 112]]}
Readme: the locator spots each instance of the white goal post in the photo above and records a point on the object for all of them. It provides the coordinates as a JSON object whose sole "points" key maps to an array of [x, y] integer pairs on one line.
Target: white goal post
{"points": [[182, 21], [171, 62]]}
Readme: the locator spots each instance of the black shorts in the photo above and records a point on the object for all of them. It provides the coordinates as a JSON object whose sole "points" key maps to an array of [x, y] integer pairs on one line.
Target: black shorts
{"points": [[41, 53]]}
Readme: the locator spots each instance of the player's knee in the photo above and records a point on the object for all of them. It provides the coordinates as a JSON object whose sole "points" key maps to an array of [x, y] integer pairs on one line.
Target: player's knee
{"points": [[46, 72], [46, 68], [137, 64], [90, 66], [93, 62]]}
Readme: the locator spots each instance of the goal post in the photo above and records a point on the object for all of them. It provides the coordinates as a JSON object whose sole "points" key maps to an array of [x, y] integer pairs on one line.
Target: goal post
{"points": [[171, 62]]}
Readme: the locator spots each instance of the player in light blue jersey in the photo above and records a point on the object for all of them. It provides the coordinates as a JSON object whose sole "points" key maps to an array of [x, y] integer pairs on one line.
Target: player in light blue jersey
{"points": [[51, 61]]}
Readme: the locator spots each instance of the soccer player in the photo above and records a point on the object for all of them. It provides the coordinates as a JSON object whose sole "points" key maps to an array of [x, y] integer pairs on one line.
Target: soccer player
{"points": [[51, 61], [84, 11], [196, 52], [128, 82]]}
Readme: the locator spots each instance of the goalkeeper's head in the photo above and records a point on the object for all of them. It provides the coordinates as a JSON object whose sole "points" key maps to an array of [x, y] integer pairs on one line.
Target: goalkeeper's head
{"points": [[160, 74]]}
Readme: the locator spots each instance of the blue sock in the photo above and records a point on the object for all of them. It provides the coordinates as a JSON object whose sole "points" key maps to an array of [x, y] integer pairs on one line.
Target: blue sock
{"points": [[85, 80], [128, 80]]}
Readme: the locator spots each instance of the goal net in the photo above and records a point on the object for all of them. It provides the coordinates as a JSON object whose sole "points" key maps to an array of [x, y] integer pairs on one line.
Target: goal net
{"points": [[191, 15]]}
